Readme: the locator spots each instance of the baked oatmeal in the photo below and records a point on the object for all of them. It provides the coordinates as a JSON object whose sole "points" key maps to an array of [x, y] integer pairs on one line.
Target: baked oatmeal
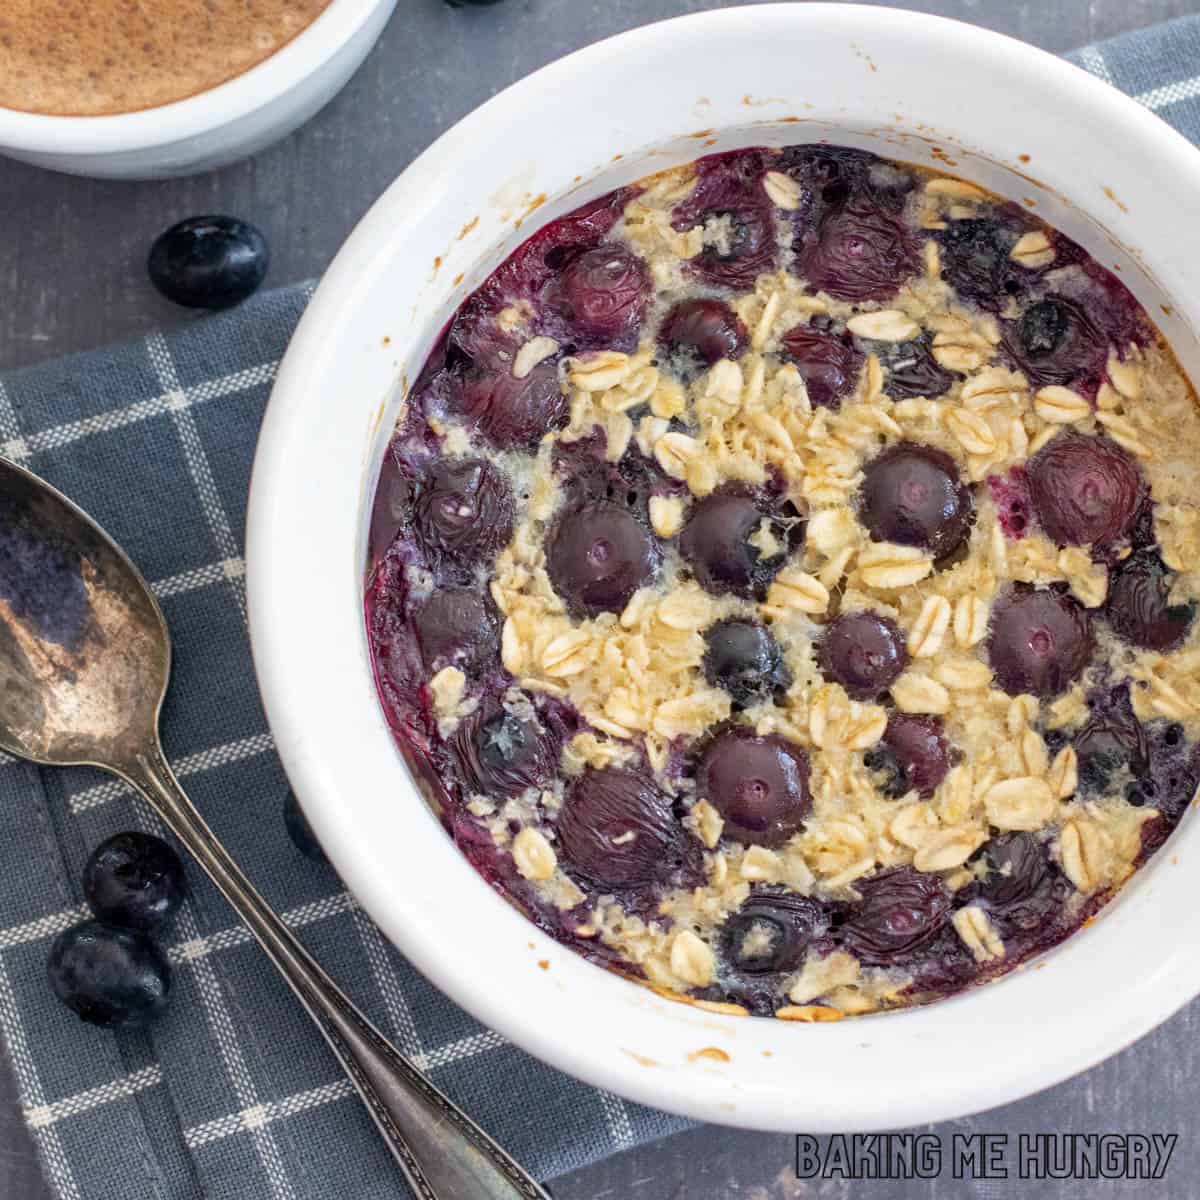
{"points": [[783, 582]]}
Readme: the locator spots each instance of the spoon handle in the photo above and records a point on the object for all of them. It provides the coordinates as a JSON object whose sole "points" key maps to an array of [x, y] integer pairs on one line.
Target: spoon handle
{"points": [[444, 1155]]}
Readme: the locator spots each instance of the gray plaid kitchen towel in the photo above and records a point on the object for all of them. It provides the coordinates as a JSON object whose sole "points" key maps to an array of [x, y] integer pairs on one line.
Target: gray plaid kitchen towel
{"points": [[232, 1094]]}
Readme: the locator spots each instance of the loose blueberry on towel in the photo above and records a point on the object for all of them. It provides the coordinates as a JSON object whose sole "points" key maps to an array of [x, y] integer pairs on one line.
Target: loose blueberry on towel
{"points": [[209, 262], [115, 978], [134, 880]]}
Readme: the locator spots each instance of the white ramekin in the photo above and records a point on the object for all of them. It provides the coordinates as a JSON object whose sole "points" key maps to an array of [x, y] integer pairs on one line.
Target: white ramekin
{"points": [[216, 127], [932, 91]]}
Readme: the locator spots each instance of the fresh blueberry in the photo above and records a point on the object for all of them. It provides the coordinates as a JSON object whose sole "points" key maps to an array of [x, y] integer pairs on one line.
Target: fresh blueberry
{"points": [[209, 262], [134, 880], [299, 830], [115, 978], [744, 659]]}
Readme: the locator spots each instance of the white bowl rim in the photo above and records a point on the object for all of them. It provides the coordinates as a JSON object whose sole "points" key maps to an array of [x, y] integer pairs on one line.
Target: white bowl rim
{"points": [[912, 1043], [192, 116]]}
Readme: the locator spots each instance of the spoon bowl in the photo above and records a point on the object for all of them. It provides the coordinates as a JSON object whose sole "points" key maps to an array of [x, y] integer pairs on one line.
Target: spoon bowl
{"points": [[84, 662], [84, 651]]}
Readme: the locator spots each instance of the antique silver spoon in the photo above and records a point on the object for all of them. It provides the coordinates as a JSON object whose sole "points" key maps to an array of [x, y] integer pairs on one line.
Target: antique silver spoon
{"points": [[84, 663]]}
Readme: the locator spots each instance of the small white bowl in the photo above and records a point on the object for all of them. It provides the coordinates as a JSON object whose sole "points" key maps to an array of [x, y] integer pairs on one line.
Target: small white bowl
{"points": [[1012, 118], [213, 128]]}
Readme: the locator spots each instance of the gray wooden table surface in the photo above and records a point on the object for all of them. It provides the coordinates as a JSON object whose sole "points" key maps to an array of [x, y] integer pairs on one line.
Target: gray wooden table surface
{"points": [[72, 277]]}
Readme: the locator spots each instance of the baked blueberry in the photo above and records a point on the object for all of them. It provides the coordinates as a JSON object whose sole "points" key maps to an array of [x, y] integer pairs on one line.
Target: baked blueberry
{"points": [[914, 755], [911, 368], [134, 880], [976, 256], [827, 361], [1110, 742], [703, 331], [899, 912], [115, 978], [759, 785], [605, 292], [1085, 490], [914, 495], [728, 201], [463, 512], [772, 931], [742, 657], [857, 252], [863, 651], [500, 752], [456, 627], [1040, 641], [1021, 887], [512, 413], [1056, 342], [598, 555], [721, 543], [616, 827], [1138, 605]]}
